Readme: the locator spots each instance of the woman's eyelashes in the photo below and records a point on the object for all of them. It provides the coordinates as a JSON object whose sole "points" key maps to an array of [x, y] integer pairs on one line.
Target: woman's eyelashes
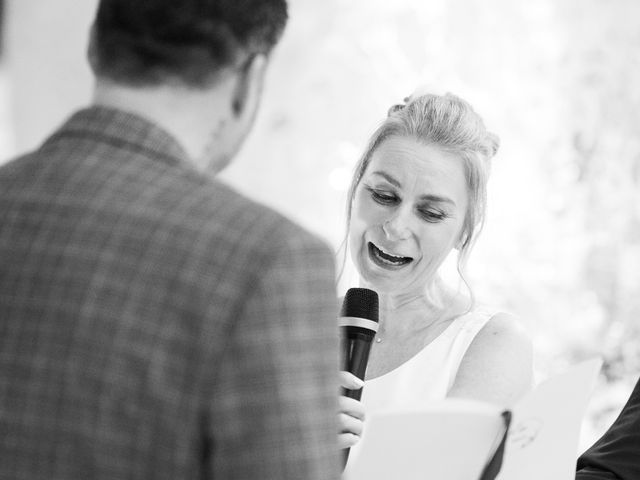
{"points": [[383, 197], [431, 215], [390, 198]]}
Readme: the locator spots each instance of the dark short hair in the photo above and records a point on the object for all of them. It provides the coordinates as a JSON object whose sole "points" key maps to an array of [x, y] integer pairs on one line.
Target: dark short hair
{"points": [[150, 42]]}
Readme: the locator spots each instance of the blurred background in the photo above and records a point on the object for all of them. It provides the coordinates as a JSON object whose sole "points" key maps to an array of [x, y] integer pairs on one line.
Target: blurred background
{"points": [[556, 79]]}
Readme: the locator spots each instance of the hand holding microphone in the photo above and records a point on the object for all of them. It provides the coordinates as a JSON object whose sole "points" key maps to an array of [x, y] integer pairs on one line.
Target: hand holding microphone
{"points": [[358, 324], [351, 417]]}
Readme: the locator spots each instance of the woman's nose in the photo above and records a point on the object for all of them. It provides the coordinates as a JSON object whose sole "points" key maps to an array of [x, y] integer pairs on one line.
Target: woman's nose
{"points": [[396, 227]]}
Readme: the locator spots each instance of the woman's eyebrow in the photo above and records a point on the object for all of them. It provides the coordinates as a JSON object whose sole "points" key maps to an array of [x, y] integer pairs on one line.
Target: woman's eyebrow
{"points": [[437, 198], [428, 197], [388, 178]]}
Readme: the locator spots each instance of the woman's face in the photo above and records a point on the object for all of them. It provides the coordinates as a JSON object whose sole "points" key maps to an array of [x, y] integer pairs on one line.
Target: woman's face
{"points": [[407, 215]]}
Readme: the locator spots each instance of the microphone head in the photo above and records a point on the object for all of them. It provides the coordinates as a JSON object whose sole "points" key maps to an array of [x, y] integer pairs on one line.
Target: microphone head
{"points": [[360, 303]]}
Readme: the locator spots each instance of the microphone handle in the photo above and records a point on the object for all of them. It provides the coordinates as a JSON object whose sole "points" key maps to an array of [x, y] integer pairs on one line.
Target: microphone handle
{"points": [[357, 347]]}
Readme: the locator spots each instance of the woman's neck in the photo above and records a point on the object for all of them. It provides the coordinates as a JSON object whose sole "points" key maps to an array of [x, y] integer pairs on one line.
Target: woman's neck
{"points": [[410, 312]]}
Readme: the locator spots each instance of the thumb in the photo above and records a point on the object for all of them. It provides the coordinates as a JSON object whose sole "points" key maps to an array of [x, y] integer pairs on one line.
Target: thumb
{"points": [[350, 381]]}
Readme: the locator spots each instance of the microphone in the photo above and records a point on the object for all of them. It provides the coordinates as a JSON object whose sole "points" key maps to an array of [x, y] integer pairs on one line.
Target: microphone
{"points": [[358, 324]]}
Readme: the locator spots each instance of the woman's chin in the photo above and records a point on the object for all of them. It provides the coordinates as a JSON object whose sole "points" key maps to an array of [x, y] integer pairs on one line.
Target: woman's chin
{"points": [[382, 283], [395, 282]]}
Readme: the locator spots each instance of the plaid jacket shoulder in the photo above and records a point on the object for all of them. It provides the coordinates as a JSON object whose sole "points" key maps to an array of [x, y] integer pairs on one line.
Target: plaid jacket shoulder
{"points": [[153, 322]]}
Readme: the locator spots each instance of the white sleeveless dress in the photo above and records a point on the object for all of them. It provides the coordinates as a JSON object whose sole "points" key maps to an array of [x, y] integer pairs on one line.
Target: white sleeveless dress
{"points": [[428, 375]]}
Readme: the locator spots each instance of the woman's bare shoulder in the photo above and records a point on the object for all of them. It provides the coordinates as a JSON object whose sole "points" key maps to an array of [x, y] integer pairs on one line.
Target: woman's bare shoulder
{"points": [[498, 365]]}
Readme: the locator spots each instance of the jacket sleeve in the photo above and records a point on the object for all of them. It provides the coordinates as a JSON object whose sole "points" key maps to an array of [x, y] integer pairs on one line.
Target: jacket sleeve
{"points": [[616, 455], [274, 405]]}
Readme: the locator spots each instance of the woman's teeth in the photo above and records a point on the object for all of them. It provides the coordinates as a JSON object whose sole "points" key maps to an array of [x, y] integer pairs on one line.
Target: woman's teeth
{"points": [[389, 259]]}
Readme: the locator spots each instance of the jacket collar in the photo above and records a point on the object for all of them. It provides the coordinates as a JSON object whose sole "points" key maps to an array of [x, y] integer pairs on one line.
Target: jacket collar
{"points": [[125, 129]]}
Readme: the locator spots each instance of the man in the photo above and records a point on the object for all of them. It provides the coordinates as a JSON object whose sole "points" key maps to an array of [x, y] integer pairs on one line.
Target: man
{"points": [[153, 322], [616, 455]]}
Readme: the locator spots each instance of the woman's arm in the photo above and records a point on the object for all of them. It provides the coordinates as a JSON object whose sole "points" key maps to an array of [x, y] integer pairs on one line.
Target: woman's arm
{"points": [[498, 366]]}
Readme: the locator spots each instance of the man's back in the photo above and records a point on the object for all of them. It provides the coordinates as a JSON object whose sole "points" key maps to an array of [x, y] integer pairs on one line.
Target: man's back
{"points": [[154, 323]]}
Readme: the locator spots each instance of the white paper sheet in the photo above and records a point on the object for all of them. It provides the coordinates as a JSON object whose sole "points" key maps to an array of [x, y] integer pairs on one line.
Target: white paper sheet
{"points": [[453, 439], [545, 429]]}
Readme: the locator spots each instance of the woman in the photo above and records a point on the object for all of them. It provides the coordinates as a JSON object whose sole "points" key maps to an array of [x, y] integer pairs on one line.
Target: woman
{"points": [[418, 193]]}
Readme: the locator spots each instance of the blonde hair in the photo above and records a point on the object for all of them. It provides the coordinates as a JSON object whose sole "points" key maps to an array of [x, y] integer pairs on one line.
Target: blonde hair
{"points": [[450, 123]]}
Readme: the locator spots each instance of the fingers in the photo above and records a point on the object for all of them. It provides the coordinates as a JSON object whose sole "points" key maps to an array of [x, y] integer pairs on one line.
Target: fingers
{"points": [[349, 424], [350, 381], [347, 440], [350, 430], [351, 407], [351, 416], [350, 420]]}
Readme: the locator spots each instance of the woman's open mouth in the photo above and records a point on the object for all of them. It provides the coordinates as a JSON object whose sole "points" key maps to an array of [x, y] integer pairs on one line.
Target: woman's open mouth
{"points": [[385, 259]]}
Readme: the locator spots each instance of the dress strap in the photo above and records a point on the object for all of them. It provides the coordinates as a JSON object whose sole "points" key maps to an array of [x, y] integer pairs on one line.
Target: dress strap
{"points": [[467, 327]]}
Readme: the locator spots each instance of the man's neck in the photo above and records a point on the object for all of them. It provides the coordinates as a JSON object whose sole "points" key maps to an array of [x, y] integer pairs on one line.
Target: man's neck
{"points": [[192, 116]]}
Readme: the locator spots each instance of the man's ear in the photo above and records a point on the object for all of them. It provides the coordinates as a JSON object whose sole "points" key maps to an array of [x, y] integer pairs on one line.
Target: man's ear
{"points": [[248, 89], [91, 48]]}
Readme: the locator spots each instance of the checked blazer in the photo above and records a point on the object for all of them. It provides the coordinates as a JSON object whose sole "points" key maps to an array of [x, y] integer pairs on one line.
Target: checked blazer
{"points": [[154, 323]]}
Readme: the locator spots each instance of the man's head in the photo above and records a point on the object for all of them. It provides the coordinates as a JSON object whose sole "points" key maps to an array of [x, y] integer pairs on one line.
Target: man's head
{"points": [[195, 66], [191, 42]]}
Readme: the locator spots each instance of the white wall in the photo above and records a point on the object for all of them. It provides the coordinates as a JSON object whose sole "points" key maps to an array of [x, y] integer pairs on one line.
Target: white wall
{"points": [[45, 62]]}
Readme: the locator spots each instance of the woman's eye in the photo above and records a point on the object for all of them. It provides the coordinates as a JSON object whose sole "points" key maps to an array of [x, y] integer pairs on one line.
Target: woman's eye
{"points": [[433, 216], [382, 197]]}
